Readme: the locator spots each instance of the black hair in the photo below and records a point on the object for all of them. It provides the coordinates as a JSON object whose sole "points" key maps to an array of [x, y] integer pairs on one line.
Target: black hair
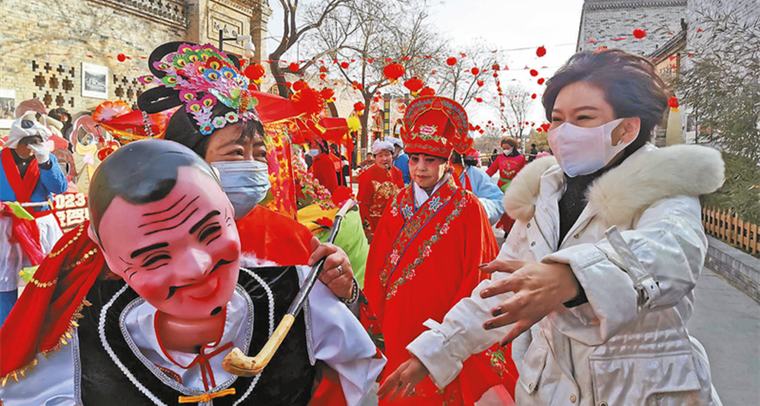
{"points": [[630, 83], [140, 172], [456, 158]]}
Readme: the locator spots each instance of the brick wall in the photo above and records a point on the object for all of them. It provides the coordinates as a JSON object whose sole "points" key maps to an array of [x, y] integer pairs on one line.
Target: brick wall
{"points": [[44, 43], [604, 21]]}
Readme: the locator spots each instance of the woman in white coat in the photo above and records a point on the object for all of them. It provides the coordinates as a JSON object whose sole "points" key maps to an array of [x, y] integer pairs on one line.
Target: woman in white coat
{"points": [[610, 308]]}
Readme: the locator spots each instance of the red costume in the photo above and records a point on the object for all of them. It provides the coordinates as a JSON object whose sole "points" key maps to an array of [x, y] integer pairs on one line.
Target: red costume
{"points": [[508, 167], [323, 167], [377, 186], [424, 259]]}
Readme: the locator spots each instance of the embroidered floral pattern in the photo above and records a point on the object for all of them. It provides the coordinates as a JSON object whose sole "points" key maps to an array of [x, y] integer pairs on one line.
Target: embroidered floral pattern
{"points": [[414, 223]]}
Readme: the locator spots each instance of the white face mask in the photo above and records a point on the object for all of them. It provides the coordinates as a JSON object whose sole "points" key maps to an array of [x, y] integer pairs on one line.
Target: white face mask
{"points": [[245, 183], [313, 152], [507, 151], [581, 151]]}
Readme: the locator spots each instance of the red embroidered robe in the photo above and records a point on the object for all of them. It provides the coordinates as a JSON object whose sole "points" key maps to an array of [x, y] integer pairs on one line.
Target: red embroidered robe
{"points": [[377, 186], [422, 262]]}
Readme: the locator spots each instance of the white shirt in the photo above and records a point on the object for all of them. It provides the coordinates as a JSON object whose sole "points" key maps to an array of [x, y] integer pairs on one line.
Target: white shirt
{"points": [[421, 196]]}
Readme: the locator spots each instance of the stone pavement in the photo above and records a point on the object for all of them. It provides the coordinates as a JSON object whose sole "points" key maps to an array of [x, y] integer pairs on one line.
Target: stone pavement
{"points": [[727, 323]]}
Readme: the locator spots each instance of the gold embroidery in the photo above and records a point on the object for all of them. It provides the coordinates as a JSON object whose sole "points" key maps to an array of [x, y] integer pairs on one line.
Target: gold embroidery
{"points": [[76, 237]]}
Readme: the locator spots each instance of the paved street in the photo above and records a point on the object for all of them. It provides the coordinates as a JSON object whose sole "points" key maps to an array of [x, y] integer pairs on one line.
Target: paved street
{"points": [[727, 323]]}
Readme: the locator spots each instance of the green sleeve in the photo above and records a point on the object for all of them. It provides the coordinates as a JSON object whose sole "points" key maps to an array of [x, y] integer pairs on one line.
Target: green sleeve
{"points": [[351, 239]]}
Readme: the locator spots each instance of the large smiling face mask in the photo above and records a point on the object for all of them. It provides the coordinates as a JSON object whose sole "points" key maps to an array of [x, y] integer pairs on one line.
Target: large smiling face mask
{"points": [[166, 227]]}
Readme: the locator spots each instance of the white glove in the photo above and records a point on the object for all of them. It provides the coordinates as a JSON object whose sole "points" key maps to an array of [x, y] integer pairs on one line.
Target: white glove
{"points": [[41, 152]]}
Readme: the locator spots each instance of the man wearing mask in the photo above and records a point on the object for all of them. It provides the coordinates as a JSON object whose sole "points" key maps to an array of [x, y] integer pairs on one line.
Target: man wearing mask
{"points": [[400, 159], [30, 175]]}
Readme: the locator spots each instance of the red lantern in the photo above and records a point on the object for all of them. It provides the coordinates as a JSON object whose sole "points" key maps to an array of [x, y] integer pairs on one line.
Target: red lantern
{"points": [[359, 107], [322, 76], [495, 67], [541, 81], [533, 96], [451, 61], [533, 72], [414, 85], [475, 71], [394, 71], [327, 94], [323, 69], [481, 83], [255, 72], [673, 103], [357, 85], [496, 75], [288, 85], [121, 57], [541, 51], [344, 65], [638, 33], [479, 100], [293, 67], [300, 85], [428, 91]]}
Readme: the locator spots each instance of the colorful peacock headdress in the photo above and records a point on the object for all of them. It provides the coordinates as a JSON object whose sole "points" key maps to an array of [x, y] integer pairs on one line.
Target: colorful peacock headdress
{"points": [[198, 76]]}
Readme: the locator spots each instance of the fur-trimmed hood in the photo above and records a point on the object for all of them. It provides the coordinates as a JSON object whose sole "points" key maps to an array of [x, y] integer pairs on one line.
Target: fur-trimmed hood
{"points": [[649, 175]]}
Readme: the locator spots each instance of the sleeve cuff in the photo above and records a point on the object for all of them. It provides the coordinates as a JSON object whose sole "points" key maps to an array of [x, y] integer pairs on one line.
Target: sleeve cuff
{"points": [[429, 348]]}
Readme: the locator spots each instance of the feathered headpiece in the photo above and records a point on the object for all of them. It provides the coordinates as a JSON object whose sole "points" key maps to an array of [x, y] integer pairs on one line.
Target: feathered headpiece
{"points": [[198, 76]]}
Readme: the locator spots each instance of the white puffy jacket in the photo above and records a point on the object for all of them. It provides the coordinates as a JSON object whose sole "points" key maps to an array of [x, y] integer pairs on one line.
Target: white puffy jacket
{"points": [[609, 351]]}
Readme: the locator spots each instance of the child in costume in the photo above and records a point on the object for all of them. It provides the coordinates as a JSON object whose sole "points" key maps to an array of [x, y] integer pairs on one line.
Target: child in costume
{"points": [[145, 310]]}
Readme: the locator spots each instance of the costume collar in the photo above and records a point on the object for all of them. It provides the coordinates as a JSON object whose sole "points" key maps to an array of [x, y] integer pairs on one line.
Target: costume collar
{"points": [[421, 196], [139, 319]]}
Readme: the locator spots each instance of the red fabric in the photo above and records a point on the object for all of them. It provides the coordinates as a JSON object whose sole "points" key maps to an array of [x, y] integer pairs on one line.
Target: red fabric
{"points": [[25, 232], [508, 167], [323, 169], [274, 237], [377, 186], [42, 315], [421, 264], [329, 392]]}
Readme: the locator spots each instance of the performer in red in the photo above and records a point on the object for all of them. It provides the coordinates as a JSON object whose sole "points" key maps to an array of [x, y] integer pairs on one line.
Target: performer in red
{"points": [[377, 185], [426, 252], [508, 164], [325, 168]]}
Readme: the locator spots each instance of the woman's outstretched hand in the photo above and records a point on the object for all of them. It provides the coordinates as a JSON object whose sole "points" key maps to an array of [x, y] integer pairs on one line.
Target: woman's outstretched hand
{"points": [[538, 288], [403, 380]]}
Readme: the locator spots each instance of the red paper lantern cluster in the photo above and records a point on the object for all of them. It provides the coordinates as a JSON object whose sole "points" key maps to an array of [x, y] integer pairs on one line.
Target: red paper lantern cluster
{"points": [[393, 71]]}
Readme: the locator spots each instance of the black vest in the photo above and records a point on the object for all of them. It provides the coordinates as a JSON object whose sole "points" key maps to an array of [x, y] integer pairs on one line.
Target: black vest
{"points": [[287, 380]]}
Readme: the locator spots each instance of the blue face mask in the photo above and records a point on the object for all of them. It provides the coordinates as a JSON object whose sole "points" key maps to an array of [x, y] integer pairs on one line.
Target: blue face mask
{"points": [[245, 183]]}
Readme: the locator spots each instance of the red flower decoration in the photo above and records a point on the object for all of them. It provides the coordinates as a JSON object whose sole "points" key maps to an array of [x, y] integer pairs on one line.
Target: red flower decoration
{"points": [[451, 61], [533, 72], [293, 67], [541, 51], [638, 33]]}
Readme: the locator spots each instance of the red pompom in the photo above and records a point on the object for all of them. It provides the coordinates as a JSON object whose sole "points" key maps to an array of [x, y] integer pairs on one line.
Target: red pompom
{"points": [[533, 72], [293, 67], [638, 33], [541, 51], [121, 57], [451, 61]]}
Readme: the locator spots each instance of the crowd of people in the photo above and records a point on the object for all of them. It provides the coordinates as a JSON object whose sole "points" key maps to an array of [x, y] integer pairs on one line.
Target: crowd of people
{"points": [[180, 267]]}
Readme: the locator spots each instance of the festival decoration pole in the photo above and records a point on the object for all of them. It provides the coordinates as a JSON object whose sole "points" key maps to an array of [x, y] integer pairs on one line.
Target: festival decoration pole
{"points": [[236, 362]]}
